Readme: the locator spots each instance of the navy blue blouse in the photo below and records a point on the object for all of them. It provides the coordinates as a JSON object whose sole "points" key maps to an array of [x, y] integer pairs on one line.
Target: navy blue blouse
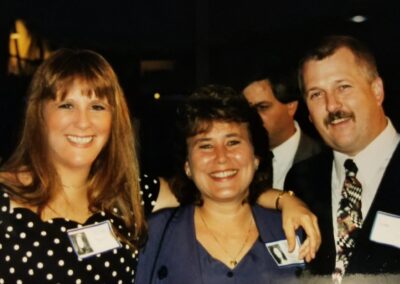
{"points": [[173, 254]]}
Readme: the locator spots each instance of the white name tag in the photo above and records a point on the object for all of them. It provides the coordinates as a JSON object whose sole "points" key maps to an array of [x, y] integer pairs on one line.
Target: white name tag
{"points": [[280, 253], [386, 229], [93, 239]]}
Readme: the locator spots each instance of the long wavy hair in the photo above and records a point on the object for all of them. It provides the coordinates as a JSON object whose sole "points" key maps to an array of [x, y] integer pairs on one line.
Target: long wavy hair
{"points": [[113, 180], [209, 104]]}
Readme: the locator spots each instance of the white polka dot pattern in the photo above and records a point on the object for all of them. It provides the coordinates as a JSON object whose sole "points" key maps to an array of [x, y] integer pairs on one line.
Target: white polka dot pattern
{"points": [[33, 251]]}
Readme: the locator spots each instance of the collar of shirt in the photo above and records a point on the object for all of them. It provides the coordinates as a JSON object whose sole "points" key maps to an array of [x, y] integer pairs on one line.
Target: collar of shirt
{"points": [[284, 156], [371, 163]]}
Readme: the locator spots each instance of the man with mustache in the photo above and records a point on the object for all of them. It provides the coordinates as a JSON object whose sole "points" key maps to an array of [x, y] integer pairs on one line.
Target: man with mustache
{"points": [[344, 95]]}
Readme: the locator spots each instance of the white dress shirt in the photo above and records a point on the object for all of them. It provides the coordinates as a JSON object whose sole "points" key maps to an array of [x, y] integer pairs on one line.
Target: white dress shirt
{"points": [[371, 163], [284, 157]]}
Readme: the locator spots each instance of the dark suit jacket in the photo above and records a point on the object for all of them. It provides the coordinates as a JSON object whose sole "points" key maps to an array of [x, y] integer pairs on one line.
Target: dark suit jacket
{"points": [[307, 148], [311, 180]]}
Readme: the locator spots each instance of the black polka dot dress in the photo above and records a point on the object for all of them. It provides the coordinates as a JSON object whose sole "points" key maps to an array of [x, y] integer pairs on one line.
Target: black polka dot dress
{"points": [[36, 251]]}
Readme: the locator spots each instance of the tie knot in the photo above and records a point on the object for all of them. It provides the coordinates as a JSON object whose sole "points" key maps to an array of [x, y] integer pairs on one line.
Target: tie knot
{"points": [[271, 154], [350, 166]]}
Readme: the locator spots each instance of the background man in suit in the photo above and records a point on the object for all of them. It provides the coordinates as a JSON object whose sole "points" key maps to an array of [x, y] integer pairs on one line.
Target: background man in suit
{"points": [[344, 96], [276, 99]]}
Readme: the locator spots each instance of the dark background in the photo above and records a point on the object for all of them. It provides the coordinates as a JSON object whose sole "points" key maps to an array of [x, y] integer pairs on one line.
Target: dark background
{"points": [[216, 41]]}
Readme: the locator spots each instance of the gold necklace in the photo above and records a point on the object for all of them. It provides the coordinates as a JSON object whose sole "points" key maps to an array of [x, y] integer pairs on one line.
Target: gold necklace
{"points": [[69, 216], [233, 259], [73, 187]]}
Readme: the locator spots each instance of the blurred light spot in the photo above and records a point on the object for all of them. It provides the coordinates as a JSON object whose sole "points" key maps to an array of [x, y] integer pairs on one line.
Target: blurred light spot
{"points": [[157, 96], [15, 36], [358, 19], [26, 50]]}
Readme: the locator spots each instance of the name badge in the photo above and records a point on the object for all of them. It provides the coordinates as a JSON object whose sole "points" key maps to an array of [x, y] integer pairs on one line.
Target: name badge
{"points": [[386, 229], [280, 253], [93, 239]]}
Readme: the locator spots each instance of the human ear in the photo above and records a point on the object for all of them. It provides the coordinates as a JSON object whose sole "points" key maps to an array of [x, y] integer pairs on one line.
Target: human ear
{"points": [[377, 88], [292, 107]]}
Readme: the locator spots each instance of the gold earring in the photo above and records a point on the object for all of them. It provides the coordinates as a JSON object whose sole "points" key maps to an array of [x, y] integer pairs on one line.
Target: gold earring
{"points": [[187, 171], [256, 163]]}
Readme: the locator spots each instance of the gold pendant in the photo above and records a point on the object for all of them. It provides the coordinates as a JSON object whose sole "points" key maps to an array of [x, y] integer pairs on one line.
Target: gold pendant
{"points": [[233, 263]]}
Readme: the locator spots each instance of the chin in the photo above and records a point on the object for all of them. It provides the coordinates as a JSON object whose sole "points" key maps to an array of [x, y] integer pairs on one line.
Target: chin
{"points": [[230, 197], [80, 164]]}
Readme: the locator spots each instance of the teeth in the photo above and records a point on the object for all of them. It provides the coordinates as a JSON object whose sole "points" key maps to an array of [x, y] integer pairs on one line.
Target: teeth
{"points": [[224, 174], [80, 140], [336, 121]]}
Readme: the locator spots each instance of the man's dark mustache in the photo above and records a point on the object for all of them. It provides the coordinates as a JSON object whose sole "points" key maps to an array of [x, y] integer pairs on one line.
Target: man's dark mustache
{"points": [[332, 116]]}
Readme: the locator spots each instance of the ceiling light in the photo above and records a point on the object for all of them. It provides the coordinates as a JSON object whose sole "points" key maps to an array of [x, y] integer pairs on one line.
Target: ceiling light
{"points": [[358, 19]]}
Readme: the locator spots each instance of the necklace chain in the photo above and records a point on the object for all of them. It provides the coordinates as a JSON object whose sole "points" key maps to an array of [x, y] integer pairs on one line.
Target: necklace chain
{"points": [[233, 259], [58, 214], [69, 212], [54, 210]]}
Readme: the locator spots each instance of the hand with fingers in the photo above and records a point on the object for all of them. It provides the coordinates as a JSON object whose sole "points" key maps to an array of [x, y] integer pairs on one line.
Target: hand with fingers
{"points": [[296, 214]]}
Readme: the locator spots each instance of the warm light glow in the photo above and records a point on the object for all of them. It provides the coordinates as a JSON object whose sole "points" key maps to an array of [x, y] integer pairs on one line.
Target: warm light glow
{"points": [[157, 96], [25, 50], [358, 19], [23, 40], [15, 36]]}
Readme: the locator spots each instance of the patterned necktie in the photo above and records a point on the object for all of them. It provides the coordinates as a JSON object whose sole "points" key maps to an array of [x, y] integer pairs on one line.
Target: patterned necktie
{"points": [[349, 219]]}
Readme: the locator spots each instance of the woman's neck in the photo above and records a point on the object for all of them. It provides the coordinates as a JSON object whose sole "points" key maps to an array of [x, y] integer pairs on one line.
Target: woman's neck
{"points": [[225, 212], [69, 204], [70, 199], [73, 179], [226, 232]]}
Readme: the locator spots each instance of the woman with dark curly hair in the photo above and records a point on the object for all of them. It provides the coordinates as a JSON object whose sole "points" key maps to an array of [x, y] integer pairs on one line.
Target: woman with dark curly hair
{"points": [[219, 235]]}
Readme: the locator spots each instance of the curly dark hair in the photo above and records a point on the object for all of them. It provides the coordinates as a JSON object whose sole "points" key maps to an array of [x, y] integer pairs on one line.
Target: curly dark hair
{"points": [[214, 103]]}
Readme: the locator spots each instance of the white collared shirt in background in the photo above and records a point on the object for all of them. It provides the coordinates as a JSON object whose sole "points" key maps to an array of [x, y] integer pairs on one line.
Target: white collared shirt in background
{"points": [[371, 163], [284, 157]]}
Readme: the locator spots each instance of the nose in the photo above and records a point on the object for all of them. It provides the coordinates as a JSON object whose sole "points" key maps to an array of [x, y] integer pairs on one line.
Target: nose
{"points": [[221, 154], [83, 119], [332, 102]]}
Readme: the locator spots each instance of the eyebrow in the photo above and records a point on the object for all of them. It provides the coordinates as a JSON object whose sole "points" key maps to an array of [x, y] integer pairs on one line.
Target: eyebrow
{"points": [[201, 139], [205, 139], [313, 89], [92, 99], [260, 104], [341, 81]]}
